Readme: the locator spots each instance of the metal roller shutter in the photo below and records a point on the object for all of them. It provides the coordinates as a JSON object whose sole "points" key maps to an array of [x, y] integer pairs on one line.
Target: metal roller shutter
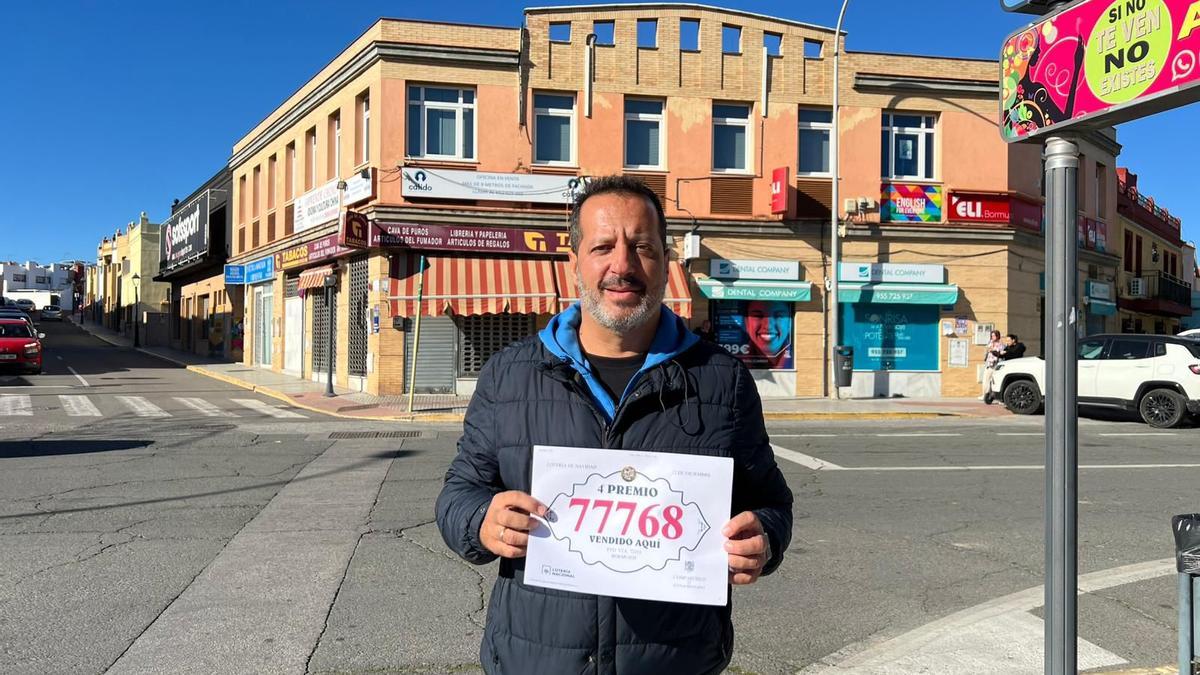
{"points": [[435, 370], [357, 343], [321, 329], [483, 335]]}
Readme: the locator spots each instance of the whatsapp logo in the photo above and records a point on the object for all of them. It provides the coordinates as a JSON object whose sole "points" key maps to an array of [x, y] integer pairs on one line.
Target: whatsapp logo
{"points": [[1128, 49]]}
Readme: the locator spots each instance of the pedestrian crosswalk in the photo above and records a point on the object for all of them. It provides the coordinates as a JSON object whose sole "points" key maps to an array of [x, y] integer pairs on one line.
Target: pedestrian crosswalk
{"points": [[79, 405]]}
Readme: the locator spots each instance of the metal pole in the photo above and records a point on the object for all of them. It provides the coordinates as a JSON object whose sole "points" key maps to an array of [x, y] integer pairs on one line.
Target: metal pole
{"points": [[136, 319], [1062, 461], [331, 317], [412, 366], [834, 248]]}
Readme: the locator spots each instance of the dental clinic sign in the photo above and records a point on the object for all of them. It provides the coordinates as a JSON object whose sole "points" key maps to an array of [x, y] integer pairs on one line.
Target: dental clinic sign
{"points": [[1098, 63]]}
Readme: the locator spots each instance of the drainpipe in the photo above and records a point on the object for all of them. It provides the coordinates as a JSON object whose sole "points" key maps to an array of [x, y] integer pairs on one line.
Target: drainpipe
{"points": [[834, 247], [589, 65]]}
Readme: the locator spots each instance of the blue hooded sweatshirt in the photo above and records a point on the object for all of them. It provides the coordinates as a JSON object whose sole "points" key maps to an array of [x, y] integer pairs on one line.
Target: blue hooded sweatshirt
{"points": [[561, 337]]}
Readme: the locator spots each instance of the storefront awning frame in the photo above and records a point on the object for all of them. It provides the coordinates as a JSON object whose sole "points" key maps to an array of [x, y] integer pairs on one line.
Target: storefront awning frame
{"points": [[472, 285]]}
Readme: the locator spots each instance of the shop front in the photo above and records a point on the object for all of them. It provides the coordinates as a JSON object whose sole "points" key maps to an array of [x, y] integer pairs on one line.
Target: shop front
{"points": [[752, 306], [259, 278], [1100, 304], [477, 289], [890, 315]]}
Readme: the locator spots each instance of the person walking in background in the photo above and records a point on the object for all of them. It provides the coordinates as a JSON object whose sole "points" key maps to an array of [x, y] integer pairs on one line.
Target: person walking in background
{"points": [[994, 347], [705, 331]]}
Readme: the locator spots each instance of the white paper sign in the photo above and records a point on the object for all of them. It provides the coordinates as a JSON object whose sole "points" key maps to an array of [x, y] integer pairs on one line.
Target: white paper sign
{"points": [[631, 524]]}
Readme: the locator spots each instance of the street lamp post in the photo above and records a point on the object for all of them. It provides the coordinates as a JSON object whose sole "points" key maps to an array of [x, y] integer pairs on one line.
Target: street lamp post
{"points": [[834, 246], [137, 342]]}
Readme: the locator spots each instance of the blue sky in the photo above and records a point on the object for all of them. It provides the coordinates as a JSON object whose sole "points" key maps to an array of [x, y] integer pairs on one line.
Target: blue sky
{"points": [[118, 107]]}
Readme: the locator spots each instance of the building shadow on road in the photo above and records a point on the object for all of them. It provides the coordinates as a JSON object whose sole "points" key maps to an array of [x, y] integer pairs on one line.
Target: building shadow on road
{"points": [[373, 457], [43, 448]]}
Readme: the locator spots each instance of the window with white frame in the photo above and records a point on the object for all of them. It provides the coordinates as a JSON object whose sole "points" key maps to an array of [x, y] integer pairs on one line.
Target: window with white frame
{"points": [[441, 122], [643, 134], [335, 165], [815, 126], [364, 106], [731, 137], [554, 129], [908, 146]]}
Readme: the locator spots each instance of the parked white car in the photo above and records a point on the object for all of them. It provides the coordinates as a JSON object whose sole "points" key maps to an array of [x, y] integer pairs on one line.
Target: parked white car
{"points": [[1158, 376]]}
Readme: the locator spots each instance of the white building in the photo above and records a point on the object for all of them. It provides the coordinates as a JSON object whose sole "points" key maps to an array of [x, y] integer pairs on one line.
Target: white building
{"points": [[30, 276]]}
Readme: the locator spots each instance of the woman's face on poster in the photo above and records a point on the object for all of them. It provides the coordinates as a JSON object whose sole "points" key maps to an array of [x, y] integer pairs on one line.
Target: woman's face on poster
{"points": [[769, 325]]}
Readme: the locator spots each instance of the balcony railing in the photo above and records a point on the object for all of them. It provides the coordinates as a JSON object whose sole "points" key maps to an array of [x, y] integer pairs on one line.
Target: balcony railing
{"points": [[1156, 286]]}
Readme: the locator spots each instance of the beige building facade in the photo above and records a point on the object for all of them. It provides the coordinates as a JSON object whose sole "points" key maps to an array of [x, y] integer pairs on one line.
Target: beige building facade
{"points": [[126, 265], [461, 147]]}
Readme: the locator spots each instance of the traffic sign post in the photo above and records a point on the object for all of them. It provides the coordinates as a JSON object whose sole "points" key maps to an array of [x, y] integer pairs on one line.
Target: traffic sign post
{"points": [[1094, 64]]}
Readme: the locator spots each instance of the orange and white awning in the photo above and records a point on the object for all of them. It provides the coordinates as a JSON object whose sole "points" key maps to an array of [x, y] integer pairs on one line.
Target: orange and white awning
{"points": [[469, 286], [678, 297], [314, 277]]}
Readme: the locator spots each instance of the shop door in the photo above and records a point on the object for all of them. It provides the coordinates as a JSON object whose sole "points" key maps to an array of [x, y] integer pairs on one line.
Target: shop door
{"points": [[323, 302], [263, 301], [357, 343], [437, 355], [293, 326]]}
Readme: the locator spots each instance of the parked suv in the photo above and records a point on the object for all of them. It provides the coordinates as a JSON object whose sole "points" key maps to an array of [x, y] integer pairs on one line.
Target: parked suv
{"points": [[1158, 376]]}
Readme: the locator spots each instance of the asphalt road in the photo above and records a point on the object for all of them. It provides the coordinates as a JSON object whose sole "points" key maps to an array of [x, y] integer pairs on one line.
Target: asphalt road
{"points": [[185, 540]]}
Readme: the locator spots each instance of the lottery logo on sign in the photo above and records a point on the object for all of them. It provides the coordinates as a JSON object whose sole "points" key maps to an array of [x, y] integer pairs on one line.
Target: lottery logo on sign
{"points": [[626, 521]]}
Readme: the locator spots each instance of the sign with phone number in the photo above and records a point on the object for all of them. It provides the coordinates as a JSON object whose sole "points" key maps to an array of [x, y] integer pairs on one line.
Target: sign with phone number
{"points": [[631, 524]]}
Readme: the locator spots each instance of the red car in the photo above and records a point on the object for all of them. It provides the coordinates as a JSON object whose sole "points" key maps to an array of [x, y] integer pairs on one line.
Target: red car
{"points": [[20, 347]]}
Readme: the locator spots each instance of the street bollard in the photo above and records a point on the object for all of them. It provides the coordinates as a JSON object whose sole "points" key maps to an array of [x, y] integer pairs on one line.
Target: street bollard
{"points": [[1187, 563]]}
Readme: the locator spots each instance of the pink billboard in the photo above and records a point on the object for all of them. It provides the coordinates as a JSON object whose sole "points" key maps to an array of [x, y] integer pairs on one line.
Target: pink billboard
{"points": [[1100, 61]]}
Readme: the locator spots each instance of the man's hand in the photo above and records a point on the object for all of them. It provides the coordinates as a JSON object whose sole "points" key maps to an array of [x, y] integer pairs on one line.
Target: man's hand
{"points": [[506, 525], [747, 548]]}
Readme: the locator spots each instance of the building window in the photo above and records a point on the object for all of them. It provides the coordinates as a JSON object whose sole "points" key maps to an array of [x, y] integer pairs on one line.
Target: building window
{"points": [[689, 35], [271, 182], [908, 146], [813, 49], [774, 44], [254, 191], [19, 278], [643, 134], [731, 39], [241, 199], [254, 234], [334, 165], [554, 129], [604, 31], [815, 127], [731, 137], [647, 33], [560, 32], [1098, 189], [310, 159], [363, 152], [441, 123], [289, 170]]}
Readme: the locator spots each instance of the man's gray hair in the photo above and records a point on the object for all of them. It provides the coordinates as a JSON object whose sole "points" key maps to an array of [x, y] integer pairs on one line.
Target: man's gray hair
{"points": [[620, 184]]}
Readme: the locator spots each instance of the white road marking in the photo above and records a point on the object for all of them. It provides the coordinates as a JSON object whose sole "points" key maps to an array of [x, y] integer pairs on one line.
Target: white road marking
{"points": [[1021, 433], [979, 638], [260, 407], [1137, 434], [142, 407], [78, 377], [16, 404], [204, 407], [916, 435], [1014, 467], [806, 435], [804, 460], [79, 406]]}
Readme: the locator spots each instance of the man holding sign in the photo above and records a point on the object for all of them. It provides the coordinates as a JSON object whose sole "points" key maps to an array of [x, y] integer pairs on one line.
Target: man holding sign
{"points": [[639, 442]]}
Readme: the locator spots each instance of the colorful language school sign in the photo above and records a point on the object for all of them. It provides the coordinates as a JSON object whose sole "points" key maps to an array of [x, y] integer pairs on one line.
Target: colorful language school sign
{"points": [[1099, 63], [905, 203]]}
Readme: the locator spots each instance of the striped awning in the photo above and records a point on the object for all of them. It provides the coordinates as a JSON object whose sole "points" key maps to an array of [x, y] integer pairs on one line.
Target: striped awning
{"points": [[469, 286], [314, 278], [678, 297]]}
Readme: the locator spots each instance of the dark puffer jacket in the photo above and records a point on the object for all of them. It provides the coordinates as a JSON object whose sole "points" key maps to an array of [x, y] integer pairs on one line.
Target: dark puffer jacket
{"points": [[690, 398]]}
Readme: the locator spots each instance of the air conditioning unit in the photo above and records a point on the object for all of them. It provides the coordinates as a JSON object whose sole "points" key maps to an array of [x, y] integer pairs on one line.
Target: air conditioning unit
{"points": [[1137, 287], [850, 205], [867, 204]]}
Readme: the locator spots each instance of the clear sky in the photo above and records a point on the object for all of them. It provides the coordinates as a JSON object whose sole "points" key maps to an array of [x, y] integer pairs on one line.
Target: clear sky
{"points": [[113, 108]]}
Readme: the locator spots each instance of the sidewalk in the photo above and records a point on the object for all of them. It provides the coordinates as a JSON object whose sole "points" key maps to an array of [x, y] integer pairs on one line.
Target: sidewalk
{"points": [[309, 395]]}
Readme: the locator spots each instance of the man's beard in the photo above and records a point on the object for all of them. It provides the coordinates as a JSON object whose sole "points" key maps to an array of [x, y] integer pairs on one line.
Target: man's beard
{"points": [[630, 319]]}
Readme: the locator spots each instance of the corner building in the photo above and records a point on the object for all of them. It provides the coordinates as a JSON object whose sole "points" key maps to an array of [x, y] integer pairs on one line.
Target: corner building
{"points": [[463, 145]]}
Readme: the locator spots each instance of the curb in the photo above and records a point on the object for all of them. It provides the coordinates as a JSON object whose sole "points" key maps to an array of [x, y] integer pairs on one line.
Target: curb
{"points": [[799, 417]]}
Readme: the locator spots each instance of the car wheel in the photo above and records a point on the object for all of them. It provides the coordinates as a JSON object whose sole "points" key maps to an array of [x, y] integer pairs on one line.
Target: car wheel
{"points": [[1162, 408], [1022, 397]]}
